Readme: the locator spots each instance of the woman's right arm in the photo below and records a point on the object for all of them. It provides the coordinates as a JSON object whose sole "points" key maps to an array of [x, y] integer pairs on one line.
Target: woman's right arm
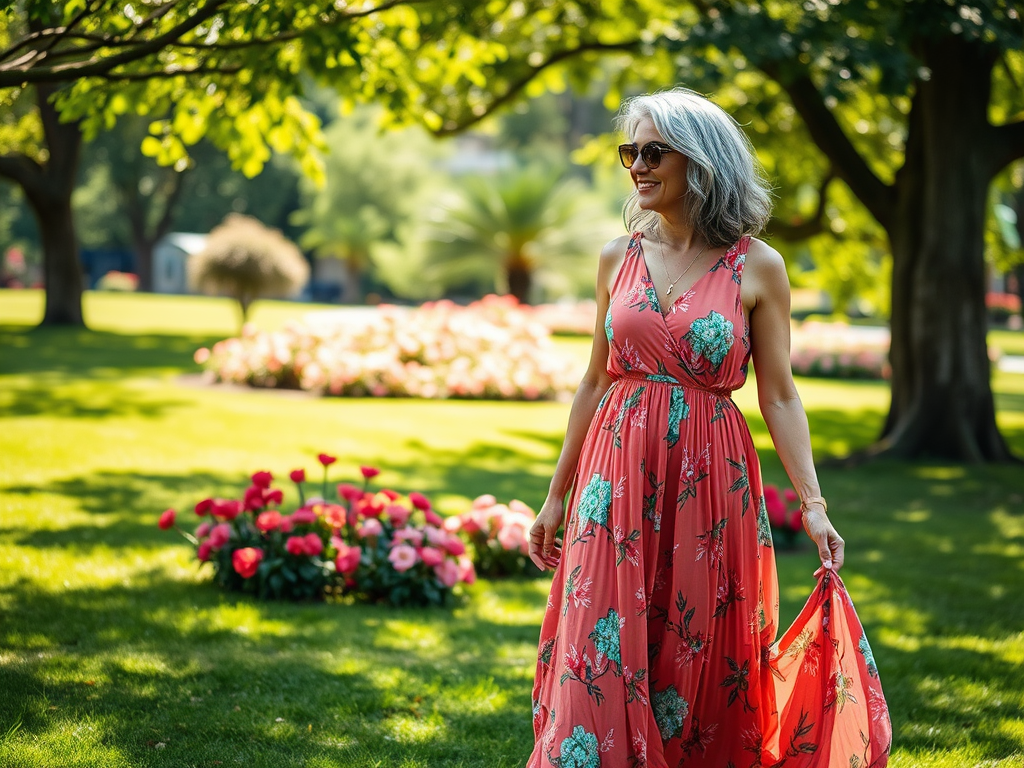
{"points": [[544, 549]]}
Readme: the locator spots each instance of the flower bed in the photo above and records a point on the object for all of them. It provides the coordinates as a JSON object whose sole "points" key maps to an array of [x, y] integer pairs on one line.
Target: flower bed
{"points": [[499, 535], [491, 349], [784, 517], [376, 546], [836, 350]]}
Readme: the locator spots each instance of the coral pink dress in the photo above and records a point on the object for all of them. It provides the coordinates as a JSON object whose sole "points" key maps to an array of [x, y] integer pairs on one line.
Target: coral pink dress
{"points": [[657, 646]]}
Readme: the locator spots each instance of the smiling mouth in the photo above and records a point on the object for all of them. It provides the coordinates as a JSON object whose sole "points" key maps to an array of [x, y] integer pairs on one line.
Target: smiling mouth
{"points": [[646, 185]]}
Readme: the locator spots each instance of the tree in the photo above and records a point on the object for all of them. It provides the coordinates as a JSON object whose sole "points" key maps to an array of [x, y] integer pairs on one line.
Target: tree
{"points": [[230, 71], [506, 228], [247, 261], [376, 183], [915, 106]]}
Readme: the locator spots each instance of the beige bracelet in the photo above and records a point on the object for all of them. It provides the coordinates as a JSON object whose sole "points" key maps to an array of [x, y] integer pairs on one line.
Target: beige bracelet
{"points": [[813, 500]]}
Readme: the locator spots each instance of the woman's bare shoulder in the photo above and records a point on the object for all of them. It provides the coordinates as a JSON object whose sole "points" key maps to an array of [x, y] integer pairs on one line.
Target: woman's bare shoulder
{"points": [[615, 250], [763, 258]]}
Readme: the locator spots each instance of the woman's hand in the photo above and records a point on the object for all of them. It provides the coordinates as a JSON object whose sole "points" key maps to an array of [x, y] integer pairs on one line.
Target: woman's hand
{"points": [[831, 547], [545, 549]]}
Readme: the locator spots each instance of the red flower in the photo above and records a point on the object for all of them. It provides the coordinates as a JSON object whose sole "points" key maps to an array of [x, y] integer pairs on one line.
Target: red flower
{"points": [[275, 496], [203, 553], [262, 479], [253, 499], [371, 505], [334, 515], [369, 472], [419, 500], [326, 460], [246, 561], [203, 530], [392, 495], [347, 560], [203, 507], [296, 545], [166, 520], [303, 517], [433, 518], [314, 544], [227, 509], [453, 546], [298, 475], [349, 492], [268, 521], [398, 515]]}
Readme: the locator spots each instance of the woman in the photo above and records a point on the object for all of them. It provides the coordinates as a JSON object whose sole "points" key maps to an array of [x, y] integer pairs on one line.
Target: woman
{"points": [[656, 646]]}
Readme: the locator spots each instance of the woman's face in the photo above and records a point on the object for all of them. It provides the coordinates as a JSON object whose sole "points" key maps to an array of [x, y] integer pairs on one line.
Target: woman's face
{"points": [[662, 189]]}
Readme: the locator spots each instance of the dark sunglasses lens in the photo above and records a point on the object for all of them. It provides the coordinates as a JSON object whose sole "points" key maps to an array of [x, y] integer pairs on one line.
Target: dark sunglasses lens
{"points": [[627, 155], [651, 155]]}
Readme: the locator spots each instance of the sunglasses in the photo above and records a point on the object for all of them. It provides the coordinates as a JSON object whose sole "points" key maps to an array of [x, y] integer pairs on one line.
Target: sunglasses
{"points": [[651, 153]]}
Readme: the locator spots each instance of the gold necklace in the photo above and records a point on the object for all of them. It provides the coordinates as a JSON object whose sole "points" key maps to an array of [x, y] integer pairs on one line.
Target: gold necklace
{"points": [[661, 250]]}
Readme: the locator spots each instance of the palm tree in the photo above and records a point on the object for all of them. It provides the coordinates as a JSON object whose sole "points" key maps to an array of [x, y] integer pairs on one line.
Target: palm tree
{"points": [[506, 228]]}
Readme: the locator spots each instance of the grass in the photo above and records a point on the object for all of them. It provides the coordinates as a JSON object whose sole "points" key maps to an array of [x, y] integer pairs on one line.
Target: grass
{"points": [[115, 651]]}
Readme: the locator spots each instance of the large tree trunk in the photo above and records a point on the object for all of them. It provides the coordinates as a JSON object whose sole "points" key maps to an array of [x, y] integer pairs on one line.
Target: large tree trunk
{"points": [[942, 404], [520, 281]]}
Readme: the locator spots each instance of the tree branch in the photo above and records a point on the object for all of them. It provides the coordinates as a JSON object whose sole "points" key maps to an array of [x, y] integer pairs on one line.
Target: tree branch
{"points": [[22, 170], [99, 67], [801, 230], [877, 196], [516, 86]]}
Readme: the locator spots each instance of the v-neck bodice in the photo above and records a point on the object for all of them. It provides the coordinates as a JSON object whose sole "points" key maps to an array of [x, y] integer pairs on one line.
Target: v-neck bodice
{"points": [[701, 340]]}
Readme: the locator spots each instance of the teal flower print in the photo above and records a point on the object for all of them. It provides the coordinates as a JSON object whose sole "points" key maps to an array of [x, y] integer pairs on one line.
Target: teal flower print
{"points": [[670, 709], [678, 409], [710, 338], [606, 636], [869, 657], [608, 325], [580, 750], [764, 526], [595, 500]]}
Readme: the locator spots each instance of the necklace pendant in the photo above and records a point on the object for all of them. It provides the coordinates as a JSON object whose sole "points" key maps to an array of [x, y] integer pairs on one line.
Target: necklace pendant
{"points": [[668, 291]]}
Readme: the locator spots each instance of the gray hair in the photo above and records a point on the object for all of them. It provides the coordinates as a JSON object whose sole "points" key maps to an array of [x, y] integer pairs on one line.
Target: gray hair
{"points": [[728, 195]]}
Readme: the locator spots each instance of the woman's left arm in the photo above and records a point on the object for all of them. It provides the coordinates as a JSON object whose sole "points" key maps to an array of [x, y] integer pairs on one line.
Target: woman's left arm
{"points": [[766, 297]]}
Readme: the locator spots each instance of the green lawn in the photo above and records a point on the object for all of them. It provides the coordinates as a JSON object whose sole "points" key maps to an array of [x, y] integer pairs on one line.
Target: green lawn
{"points": [[116, 651]]}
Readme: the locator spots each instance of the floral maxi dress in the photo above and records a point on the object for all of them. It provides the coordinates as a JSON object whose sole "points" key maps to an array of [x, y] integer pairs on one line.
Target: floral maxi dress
{"points": [[657, 646]]}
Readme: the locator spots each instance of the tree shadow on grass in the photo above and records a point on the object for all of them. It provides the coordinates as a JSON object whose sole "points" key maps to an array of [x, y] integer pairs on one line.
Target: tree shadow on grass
{"points": [[40, 399], [158, 661], [86, 354]]}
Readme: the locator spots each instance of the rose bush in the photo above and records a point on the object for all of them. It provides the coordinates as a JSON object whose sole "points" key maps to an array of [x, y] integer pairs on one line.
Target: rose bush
{"points": [[499, 535], [837, 350], [376, 546], [784, 517], [491, 349]]}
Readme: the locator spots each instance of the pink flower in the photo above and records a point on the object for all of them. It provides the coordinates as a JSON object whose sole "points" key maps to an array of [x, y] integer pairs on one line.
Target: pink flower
{"points": [[467, 573], [447, 573], [219, 535], [203, 530], [431, 556], [410, 535], [392, 495], [398, 515], [314, 544], [790, 496], [775, 507], [203, 552], [349, 492], [268, 521], [275, 496], [433, 518], [297, 475], [166, 520], [246, 561], [262, 479], [203, 507], [522, 508], [470, 523], [371, 527], [296, 545], [334, 515], [485, 501], [326, 459], [453, 545], [419, 500], [403, 557], [348, 557]]}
